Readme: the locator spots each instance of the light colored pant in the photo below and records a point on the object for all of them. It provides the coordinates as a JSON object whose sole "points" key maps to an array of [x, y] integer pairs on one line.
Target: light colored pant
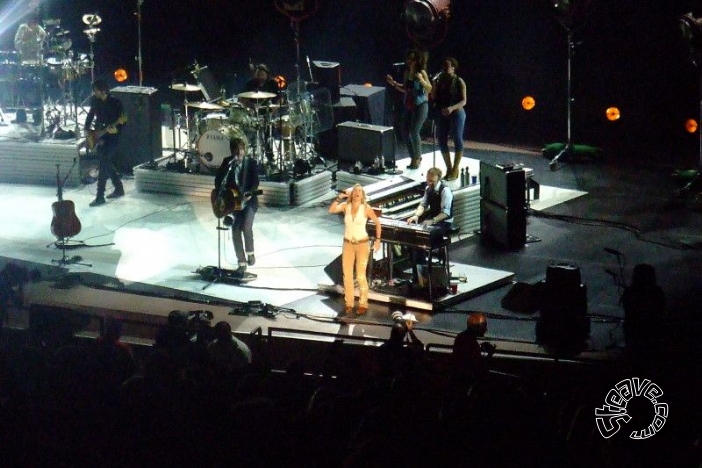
{"points": [[355, 254]]}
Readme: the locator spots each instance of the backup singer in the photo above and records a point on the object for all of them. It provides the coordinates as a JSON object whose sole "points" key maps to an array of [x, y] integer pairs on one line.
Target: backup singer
{"points": [[449, 97], [435, 209], [243, 177], [416, 87], [109, 116], [356, 250]]}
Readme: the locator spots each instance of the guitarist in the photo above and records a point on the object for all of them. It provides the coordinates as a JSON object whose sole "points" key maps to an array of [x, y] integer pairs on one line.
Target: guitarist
{"points": [[243, 178], [109, 116]]}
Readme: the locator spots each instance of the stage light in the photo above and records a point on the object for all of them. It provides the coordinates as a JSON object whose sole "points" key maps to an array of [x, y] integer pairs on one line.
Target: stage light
{"points": [[368, 85], [613, 114], [691, 33], [426, 18], [121, 75], [282, 82], [691, 125], [528, 103]]}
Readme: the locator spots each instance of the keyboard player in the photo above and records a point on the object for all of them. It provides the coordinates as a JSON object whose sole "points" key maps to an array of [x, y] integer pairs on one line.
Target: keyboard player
{"points": [[436, 210]]}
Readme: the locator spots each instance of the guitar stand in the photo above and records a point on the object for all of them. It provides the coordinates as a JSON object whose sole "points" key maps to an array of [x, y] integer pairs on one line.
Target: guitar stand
{"points": [[64, 243]]}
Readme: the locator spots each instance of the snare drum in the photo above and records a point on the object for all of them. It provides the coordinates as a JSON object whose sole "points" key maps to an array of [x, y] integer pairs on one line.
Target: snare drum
{"points": [[213, 145]]}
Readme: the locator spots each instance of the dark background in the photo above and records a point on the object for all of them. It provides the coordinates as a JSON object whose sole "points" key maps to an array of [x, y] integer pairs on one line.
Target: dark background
{"points": [[629, 55]]}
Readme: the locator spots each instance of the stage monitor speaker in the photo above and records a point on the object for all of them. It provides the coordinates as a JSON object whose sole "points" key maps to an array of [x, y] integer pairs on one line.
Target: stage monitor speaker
{"points": [[502, 185], [506, 227], [328, 74], [364, 142], [140, 140]]}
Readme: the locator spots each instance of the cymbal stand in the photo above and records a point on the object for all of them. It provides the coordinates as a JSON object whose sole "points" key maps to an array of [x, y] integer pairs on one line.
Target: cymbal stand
{"points": [[91, 65]]}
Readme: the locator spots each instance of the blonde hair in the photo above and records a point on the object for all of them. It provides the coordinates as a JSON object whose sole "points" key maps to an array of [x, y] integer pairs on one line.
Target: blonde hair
{"points": [[435, 171], [363, 192]]}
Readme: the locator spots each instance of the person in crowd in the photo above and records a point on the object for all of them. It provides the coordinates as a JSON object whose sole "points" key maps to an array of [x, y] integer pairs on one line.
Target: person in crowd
{"points": [[227, 353], [239, 172], [448, 96], [29, 41], [467, 358], [416, 87], [644, 305], [435, 209], [356, 249], [108, 113], [12, 280]]}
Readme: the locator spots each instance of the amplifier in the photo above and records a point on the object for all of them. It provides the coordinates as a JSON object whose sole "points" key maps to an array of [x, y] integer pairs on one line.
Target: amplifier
{"points": [[506, 227], [365, 142], [140, 141]]}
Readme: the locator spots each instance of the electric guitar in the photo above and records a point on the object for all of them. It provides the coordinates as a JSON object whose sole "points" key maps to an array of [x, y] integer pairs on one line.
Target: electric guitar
{"points": [[65, 223], [93, 138]]}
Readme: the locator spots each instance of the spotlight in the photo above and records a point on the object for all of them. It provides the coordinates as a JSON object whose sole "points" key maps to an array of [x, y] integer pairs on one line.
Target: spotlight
{"points": [[613, 114], [281, 81], [425, 19], [528, 103], [691, 125], [121, 75]]}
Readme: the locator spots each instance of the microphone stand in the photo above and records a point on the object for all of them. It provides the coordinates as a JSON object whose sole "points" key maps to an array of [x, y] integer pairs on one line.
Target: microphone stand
{"points": [[219, 273], [139, 57]]}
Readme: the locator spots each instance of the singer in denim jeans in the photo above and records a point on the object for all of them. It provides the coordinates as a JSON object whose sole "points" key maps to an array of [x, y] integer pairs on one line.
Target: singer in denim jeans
{"points": [[416, 87]]}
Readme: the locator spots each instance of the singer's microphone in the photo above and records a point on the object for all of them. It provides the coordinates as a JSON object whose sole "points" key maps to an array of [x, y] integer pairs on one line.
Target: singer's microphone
{"points": [[398, 64], [613, 252]]}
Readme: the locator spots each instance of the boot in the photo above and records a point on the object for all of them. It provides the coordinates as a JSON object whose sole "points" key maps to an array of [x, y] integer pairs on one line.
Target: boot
{"points": [[447, 160], [456, 165]]}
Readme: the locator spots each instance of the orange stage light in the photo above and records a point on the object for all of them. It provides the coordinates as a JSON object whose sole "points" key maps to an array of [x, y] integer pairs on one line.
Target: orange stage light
{"points": [[613, 114], [282, 82], [528, 103], [121, 75], [691, 125]]}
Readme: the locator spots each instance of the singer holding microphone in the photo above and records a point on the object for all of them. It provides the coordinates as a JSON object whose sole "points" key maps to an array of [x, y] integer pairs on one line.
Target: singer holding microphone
{"points": [[356, 249], [449, 97], [416, 87]]}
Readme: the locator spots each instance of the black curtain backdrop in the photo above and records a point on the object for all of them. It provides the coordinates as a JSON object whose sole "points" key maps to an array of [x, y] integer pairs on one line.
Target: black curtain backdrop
{"points": [[629, 55]]}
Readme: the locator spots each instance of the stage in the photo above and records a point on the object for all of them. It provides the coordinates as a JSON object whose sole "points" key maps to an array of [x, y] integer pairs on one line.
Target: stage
{"points": [[144, 251]]}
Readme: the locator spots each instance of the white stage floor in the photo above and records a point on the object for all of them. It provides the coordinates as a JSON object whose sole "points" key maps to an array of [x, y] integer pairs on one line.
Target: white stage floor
{"points": [[161, 240]]}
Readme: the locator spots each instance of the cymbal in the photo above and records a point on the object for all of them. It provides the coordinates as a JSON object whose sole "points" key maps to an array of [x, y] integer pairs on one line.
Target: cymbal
{"points": [[63, 33], [256, 95], [91, 30], [204, 105], [187, 87], [91, 19]]}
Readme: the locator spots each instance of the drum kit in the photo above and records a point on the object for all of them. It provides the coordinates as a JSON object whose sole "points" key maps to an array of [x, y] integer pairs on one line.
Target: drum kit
{"points": [[45, 78], [277, 134]]}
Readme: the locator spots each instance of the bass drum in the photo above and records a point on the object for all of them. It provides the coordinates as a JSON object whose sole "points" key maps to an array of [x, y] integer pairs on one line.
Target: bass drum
{"points": [[213, 145]]}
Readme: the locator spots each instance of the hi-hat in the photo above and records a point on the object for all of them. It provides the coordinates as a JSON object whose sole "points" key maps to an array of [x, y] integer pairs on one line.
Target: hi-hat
{"points": [[91, 19], [204, 105], [256, 95], [91, 31], [187, 87]]}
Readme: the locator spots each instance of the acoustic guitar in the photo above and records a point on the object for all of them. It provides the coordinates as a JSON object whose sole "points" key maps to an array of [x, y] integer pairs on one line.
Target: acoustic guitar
{"points": [[229, 200], [65, 223], [93, 138]]}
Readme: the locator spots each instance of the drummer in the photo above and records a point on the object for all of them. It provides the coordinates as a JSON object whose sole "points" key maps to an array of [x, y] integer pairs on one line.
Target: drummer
{"points": [[261, 80], [29, 41]]}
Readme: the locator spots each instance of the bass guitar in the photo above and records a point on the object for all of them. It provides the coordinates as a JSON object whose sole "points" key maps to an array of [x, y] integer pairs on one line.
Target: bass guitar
{"points": [[65, 223], [93, 138], [229, 200]]}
